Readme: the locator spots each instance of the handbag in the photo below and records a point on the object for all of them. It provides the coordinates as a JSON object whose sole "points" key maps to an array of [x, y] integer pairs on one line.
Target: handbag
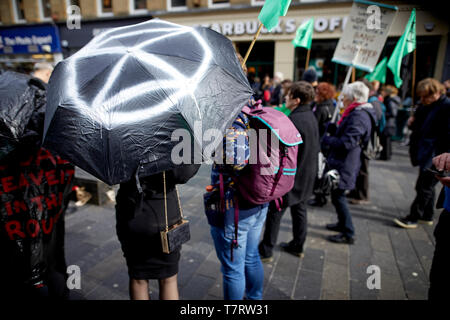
{"points": [[174, 236]]}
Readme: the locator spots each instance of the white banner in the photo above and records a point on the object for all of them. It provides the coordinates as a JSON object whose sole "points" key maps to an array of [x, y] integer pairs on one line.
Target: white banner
{"points": [[364, 35]]}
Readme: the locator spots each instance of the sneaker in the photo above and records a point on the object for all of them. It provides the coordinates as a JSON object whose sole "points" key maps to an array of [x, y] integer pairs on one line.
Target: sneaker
{"points": [[292, 250], [426, 222], [334, 227], [406, 223], [341, 238], [266, 259]]}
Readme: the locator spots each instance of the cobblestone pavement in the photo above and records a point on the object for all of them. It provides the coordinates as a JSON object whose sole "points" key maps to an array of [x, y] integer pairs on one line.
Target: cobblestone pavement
{"points": [[328, 271]]}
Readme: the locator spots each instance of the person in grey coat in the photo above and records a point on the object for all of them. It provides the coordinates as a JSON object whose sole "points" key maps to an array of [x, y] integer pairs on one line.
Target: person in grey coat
{"points": [[298, 100], [345, 144]]}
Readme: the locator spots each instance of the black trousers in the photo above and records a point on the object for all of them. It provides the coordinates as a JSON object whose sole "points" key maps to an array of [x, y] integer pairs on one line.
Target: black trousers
{"points": [[386, 142], [423, 205], [439, 279], [273, 220], [361, 191]]}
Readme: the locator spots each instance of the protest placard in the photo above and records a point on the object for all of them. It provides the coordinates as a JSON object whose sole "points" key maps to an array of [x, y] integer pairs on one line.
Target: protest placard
{"points": [[366, 30]]}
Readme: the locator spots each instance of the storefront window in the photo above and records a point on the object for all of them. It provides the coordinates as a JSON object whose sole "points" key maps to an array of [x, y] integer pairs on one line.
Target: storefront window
{"points": [[140, 5], [19, 14], [174, 5], [105, 7], [46, 11], [218, 3]]}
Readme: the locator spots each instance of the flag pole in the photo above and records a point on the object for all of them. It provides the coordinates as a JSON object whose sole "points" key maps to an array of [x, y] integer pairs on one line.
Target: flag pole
{"points": [[413, 86], [307, 59], [353, 74], [347, 79], [252, 44]]}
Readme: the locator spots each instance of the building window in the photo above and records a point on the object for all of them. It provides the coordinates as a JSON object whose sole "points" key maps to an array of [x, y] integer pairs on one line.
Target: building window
{"points": [[73, 3], [258, 2], [19, 14], [176, 5], [138, 6], [105, 8], [218, 3], [45, 9]]}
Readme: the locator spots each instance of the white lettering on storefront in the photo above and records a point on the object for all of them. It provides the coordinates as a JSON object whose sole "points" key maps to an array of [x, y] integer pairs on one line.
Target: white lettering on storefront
{"points": [[322, 24]]}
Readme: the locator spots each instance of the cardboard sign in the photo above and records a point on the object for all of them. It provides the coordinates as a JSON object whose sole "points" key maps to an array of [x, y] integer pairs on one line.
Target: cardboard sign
{"points": [[364, 35]]}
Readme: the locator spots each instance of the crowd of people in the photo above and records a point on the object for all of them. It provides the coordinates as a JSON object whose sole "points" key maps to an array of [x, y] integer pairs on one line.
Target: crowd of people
{"points": [[340, 145]]}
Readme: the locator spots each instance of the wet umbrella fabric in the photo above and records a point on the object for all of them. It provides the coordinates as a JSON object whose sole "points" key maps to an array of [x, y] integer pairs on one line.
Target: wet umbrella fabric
{"points": [[113, 106], [22, 103]]}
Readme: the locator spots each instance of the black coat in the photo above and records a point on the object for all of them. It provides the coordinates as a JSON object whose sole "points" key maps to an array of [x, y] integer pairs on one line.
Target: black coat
{"points": [[307, 159], [352, 133], [323, 112], [392, 105], [430, 132]]}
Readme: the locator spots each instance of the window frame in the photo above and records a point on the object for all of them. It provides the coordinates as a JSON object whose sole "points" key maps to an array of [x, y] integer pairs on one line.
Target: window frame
{"points": [[218, 5], [257, 3], [134, 11], [41, 12], [16, 13], [100, 12], [170, 8]]}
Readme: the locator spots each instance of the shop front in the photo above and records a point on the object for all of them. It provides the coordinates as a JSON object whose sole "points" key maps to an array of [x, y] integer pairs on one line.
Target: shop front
{"points": [[22, 46], [274, 51], [73, 40]]}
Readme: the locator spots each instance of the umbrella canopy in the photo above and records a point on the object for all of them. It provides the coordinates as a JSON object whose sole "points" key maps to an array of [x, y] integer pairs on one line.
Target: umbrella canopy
{"points": [[22, 100], [113, 106]]}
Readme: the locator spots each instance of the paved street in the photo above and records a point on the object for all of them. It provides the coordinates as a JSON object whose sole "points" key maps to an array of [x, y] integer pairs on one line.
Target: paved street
{"points": [[328, 271]]}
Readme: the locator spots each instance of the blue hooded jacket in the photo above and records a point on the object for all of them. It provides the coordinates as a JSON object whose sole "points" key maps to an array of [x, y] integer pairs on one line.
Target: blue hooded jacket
{"points": [[345, 145]]}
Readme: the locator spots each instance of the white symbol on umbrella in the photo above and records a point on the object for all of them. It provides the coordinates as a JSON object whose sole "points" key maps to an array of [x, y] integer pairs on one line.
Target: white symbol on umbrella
{"points": [[103, 107]]}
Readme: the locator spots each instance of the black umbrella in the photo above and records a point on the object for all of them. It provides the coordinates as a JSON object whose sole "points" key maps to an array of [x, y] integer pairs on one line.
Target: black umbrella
{"points": [[113, 106]]}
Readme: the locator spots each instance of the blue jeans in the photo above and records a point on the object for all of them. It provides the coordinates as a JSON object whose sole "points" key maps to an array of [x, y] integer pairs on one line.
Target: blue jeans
{"points": [[245, 274], [339, 201]]}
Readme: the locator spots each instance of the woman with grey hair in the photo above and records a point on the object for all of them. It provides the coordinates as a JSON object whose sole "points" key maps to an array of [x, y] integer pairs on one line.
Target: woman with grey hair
{"points": [[345, 142]]}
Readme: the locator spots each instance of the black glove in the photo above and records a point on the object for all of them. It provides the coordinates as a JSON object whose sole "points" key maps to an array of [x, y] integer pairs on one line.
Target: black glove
{"points": [[332, 128]]}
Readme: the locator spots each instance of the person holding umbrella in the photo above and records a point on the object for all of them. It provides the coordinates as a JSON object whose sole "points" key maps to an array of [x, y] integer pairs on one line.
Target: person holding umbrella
{"points": [[140, 218]]}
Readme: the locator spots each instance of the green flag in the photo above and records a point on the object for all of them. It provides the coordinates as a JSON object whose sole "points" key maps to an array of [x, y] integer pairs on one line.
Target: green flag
{"points": [[379, 73], [271, 11], [304, 34], [405, 45]]}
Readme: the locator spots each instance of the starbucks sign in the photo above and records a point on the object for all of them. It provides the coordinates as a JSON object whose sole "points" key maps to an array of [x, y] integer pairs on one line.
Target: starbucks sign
{"points": [[285, 26]]}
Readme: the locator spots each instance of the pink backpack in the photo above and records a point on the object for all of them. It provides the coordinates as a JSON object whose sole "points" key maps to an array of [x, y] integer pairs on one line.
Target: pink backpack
{"points": [[272, 175]]}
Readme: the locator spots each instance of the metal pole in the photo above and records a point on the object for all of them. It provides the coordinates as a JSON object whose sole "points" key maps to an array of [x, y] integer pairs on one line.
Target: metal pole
{"points": [[347, 79]]}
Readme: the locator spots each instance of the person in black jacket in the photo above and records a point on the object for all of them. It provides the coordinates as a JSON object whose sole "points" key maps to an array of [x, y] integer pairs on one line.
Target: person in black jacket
{"points": [[393, 103], [35, 187], [324, 106], [299, 99], [430, 137], [140, 217]]}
